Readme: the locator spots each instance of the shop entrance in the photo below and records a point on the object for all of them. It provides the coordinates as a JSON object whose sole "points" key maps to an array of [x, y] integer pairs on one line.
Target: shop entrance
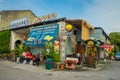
{"points": [[18, 36], [80, 48], [18, 42], [68, 46]]}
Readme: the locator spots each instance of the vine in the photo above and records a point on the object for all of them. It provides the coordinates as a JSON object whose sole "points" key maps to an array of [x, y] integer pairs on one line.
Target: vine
{"points": [[5, 41]]}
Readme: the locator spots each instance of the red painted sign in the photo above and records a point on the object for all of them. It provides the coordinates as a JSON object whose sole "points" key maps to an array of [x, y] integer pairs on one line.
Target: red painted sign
{"points": [[106, 46], [45, 18]]}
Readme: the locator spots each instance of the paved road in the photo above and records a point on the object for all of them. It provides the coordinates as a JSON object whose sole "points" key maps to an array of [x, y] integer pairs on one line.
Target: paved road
{"points": [[13, 71]]}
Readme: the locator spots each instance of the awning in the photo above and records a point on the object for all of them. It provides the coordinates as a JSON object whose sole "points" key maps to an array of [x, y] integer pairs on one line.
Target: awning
{"points": [[106, 46], [39, 35]]}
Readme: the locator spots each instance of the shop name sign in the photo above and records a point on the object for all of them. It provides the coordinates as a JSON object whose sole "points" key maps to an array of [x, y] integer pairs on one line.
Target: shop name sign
{"points": [[47, 17], [19, 23]]}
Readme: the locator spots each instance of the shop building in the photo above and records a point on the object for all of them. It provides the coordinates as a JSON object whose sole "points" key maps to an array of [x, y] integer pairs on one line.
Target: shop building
{"points": [[70, 35], [82, 31], [19, 31], [14, 19], [99, 34], [104, 41]]}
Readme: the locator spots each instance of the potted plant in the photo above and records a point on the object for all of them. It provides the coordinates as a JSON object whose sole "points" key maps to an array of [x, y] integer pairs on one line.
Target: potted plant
{"points": [[18, 51]]}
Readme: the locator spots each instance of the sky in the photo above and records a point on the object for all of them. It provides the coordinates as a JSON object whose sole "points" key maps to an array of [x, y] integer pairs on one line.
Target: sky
{"points": [[99, 13]]}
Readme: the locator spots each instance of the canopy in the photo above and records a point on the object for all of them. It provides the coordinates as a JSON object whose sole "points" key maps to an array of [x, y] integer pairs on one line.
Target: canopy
{"points": [[106, 46], [39, 35]]}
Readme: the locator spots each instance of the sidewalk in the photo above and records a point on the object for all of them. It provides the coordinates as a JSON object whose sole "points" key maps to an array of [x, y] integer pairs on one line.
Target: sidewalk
{"points": [[98, 67], [41, 68]]}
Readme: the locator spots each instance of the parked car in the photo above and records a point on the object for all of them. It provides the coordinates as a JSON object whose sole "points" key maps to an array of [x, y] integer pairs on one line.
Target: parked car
{"points": [[117, 56]]}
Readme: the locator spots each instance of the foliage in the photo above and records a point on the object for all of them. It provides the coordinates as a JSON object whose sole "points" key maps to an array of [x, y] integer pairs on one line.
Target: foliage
{"points": [[20, 48], [48, 45], [112, 53], [44, 53], [54, 55], [116, 48], [51, 54], [5, 41], [115, 40]]}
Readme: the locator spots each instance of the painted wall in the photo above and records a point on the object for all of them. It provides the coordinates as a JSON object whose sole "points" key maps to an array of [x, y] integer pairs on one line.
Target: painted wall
{"points": [[86, 30], [62, 37], [38, 49], [85, 33], [14, 37], [97, 34], [9, 15]]}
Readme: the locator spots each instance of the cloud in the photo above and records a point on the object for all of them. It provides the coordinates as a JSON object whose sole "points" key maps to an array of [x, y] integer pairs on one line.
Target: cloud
{"points": [[105, 14]]}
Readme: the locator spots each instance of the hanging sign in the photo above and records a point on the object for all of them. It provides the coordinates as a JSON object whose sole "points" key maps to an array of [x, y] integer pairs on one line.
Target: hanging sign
{"points": [[45, 18], [106, 46]]}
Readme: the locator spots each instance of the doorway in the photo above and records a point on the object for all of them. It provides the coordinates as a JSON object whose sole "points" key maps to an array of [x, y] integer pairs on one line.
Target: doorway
{"points": [[18, 42], [68, 46]]}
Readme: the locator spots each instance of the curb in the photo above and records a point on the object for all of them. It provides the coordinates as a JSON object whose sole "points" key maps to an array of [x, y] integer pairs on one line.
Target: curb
{"points": [[99, 67]]}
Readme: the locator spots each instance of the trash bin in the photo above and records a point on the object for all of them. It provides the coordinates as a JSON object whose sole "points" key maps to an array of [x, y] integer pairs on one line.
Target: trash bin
{"points": [[49, 63]]}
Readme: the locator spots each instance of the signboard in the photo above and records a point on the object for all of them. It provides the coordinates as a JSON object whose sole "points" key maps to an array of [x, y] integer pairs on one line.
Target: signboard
{"points": [[19, 23], [47, 17], [106, 46], [39, 35]]}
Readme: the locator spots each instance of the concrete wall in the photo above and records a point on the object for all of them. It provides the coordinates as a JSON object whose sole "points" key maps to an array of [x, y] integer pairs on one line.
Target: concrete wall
{"points": [[15, 36], [6, 16], [9, 15]]}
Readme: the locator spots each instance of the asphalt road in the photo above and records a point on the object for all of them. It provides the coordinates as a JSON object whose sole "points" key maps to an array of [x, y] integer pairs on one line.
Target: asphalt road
{"points": [[9, 72]]}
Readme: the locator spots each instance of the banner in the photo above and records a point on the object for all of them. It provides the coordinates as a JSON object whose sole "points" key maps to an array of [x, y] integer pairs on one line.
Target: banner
{"points": [[39, 35]]}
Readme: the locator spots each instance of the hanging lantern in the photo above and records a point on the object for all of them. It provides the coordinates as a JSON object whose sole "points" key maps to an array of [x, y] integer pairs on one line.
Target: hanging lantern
{"points": [[68, 27]]}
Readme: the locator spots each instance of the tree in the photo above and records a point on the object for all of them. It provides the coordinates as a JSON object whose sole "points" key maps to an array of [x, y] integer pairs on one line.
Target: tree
{"points": [[115, 40], [116, 49]]}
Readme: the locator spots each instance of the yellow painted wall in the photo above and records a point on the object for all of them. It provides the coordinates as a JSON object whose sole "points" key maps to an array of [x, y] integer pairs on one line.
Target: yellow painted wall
{"points": [[85, 30]]}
